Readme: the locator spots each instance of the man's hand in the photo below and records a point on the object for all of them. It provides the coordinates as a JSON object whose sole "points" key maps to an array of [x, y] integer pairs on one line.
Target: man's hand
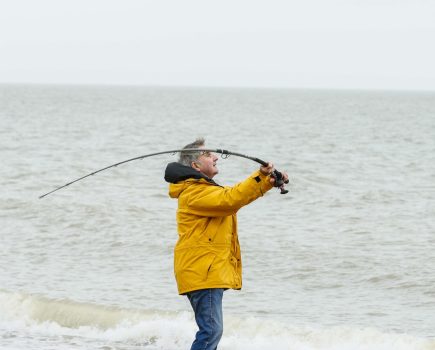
{"points": [[268, 170]]}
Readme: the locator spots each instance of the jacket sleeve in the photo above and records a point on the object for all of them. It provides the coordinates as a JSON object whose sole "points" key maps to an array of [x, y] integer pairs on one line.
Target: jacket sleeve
{"points": [[206, 200]]}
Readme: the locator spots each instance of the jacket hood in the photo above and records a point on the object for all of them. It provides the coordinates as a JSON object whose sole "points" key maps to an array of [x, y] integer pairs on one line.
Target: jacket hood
{"points": [[177, 173]]}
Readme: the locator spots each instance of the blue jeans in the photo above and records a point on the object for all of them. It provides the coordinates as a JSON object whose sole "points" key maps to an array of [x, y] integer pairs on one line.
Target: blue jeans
{"points": [[207, 305]]}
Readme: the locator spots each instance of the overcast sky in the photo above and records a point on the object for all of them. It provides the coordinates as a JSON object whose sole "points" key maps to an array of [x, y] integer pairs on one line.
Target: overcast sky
{"points": [[381, 44]]}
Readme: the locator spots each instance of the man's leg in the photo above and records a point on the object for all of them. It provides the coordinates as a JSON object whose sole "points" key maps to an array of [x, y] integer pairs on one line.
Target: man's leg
{"points": [[207, 305]]}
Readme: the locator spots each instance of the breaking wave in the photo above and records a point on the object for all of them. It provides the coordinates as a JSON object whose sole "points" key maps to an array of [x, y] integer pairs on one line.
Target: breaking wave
{"points": [[28, 320]]}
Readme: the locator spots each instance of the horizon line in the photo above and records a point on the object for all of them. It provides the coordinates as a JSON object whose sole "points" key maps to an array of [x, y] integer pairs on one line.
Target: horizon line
{"points": [[218, 86]]}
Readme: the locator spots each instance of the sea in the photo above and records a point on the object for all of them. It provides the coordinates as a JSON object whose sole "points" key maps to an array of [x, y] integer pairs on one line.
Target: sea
{"points": [[344, 261]]}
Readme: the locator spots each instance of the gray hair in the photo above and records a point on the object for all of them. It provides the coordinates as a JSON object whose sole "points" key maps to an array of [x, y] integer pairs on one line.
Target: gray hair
{"points": [[186, 158]]}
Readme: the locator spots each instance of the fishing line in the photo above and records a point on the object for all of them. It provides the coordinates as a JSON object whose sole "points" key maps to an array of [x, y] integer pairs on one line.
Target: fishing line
{"points": [[279, 182]]}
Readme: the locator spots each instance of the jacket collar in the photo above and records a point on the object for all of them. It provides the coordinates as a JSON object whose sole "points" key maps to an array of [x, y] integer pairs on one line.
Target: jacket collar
{"points": [[176, 172]]}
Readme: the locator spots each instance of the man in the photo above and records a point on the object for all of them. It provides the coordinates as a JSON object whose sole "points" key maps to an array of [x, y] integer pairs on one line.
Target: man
{"points": [[207, 257]]}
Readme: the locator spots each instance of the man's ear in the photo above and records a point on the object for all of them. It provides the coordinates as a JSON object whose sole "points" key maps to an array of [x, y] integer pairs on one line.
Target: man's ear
{"points": [[195, 166]]}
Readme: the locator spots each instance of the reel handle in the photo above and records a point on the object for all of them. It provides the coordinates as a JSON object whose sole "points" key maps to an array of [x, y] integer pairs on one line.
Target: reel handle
{"points": [[279, 182]]}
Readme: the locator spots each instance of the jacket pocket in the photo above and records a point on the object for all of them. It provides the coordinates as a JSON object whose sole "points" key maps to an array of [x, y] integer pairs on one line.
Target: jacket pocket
{"points": [[209, 266]]}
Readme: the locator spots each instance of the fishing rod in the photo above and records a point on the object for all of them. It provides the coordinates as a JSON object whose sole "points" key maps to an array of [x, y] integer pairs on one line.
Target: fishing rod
{"points": [[279, 182]]}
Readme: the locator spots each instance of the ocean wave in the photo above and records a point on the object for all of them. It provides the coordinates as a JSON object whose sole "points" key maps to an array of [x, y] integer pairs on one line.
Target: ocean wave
{"points": [[88, 325]]}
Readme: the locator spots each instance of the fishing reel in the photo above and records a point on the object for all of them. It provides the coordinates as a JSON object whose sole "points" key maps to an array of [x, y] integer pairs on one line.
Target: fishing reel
{"points": [[279, 182]]}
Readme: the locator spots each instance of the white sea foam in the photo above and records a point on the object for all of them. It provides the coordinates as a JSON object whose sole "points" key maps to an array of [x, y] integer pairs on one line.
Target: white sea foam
{"points": [[66, 323]]}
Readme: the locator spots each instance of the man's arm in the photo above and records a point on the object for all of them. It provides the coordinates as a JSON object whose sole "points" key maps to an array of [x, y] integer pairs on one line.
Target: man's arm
{"points": [[206, 200]]}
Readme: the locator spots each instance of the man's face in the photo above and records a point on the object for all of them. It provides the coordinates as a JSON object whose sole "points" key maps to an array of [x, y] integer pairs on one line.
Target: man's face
{"points": [[207, 164]]}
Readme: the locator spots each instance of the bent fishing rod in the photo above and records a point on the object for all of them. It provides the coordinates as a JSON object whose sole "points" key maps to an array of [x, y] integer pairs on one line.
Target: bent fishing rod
{"points": [[279, 182]]}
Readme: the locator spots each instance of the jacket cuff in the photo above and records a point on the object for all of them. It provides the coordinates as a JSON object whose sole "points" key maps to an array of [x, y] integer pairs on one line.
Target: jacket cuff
{"points": [[262, 180]]}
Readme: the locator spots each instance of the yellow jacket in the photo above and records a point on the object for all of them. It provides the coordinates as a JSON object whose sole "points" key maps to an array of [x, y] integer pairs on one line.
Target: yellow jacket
{"points": [[207, 254]]}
